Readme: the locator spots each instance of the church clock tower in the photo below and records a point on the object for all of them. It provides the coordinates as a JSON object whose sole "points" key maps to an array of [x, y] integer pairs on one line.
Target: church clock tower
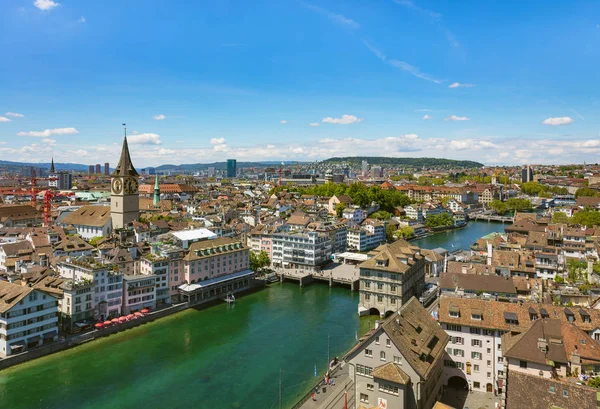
{"points": [[124, 195]]}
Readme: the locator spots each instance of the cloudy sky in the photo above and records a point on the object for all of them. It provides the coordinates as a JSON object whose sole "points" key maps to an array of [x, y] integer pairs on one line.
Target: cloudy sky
{"points": [[203, 81]]}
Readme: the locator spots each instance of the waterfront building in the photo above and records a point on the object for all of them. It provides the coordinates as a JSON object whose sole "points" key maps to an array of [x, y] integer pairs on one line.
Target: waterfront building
{"points": [[158, 266], [139, 292], [28, 318], [368, 236], [185, 238], [215, 258], [90, 221], [304, 251], [231, 168], [124, 199], [389, 279], [399, 364], [174, 256], [106, 284], [337, 232]]}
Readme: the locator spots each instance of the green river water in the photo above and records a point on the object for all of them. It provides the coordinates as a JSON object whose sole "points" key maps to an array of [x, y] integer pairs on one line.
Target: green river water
{"points": [[218, 357]]}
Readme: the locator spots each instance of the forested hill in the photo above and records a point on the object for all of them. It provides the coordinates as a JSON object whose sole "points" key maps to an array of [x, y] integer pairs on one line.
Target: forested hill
{"points": [[356, 161]]}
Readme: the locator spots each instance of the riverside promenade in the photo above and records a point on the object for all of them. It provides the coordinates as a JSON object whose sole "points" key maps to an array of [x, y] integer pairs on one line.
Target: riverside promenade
{"points": [[334, 273], [330, 397]]}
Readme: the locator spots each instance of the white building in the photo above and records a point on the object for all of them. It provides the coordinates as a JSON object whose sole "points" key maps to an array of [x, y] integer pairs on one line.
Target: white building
{"points": [[355, 215], [28, 318], [90, 221], [139, 292], [158, 266], [301, 250]]}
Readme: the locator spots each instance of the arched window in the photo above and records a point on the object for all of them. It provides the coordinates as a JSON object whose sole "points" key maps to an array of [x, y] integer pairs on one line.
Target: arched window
{"points": [[382, 355]]}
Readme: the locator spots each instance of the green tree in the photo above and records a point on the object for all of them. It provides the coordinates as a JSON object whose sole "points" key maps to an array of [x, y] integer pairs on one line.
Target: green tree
{"points": [[560, 217], [532, 188], [439, 220], [444, 200], [587, 218], [259, 261], [406, 232], [576, 269], [519, 205], [381, 215], [94, 240], [499, 206], [586, 191], [558, 279], [390, 230], [339, 209]]}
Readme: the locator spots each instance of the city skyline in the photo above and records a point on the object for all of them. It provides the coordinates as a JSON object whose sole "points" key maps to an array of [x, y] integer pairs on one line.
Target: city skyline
{"points": [[298, 81]]}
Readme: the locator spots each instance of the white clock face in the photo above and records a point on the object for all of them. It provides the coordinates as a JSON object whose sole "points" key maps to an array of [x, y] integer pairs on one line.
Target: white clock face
{"points": [[117, 186]]}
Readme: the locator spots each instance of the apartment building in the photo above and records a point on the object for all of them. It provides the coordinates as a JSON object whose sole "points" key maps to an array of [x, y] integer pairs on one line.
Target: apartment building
{"points": [[389, 279], [174, 256], [158, 266], [399, 364], [366, 237], [139, 292], [306, 251], [355, 215], [28, 318], [337, 232], [106, 282], [214, 258]]}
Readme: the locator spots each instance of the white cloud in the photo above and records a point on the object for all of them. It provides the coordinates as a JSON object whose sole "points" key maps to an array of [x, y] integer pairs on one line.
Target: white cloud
{"points": [[4, 119], [15, 114], [49, 141], [472, 144], [456, 118], [426, 116], [45, 4], [144, 139], [46, 133], [404, 66], [283, 121], [344, 120], [81, 19], [159, 117], [458, 84], [217, 141], [313, 124], [563, 120], [163, 151], [337, 18]]}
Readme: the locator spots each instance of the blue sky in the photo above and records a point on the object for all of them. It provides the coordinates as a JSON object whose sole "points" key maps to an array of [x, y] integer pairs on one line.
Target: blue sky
{"points": [[202, 81]]}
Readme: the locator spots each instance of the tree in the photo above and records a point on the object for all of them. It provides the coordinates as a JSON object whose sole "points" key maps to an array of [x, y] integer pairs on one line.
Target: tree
{"points": [[339, 209], [519, 205], [406, 232], [576, 269], [587, 218], [558, 279], [444, 200], [560, 217], [390, 230], [381, 215], [499, 206], [439, 220], [586, 191], [259, 261]]}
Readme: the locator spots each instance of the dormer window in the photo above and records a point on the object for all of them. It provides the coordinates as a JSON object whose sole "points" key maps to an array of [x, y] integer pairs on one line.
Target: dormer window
{"points": [[570, 315], [454, 314], [476, 317], [511, 318], [532, 314]]}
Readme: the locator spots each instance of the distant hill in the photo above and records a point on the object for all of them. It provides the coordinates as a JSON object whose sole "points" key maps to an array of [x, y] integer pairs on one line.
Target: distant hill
{"points": [[356, 161], [222, 165], [5, 164]]}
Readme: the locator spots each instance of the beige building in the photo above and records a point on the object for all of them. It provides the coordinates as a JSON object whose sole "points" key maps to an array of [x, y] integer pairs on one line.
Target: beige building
{"points": [[399, 364], [393, 276]]}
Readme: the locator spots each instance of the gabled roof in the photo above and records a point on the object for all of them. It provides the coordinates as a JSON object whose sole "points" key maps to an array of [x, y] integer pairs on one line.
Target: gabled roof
{"points": [[96, 216], [401, 255], [391, 372]]}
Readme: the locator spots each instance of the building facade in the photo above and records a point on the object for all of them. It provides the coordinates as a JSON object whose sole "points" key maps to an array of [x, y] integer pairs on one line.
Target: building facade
{"points": [[124, 199]]}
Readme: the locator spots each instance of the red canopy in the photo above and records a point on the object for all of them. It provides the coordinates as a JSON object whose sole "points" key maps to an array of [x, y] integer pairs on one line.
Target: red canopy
{"points": [[139, 314], [130, 316], [122, 319], [99, 325], [114, 320], [107, 322], [145, 311]]}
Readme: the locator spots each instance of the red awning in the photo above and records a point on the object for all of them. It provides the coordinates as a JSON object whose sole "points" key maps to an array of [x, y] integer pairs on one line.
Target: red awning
{"points": [[130, 316], [139, 314], [145, 311], [122, 319], [114, 320], [99, 325], [107, 322]]}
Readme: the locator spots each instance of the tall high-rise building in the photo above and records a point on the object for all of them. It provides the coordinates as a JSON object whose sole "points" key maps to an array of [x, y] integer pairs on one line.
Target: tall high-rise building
{"points": [[211, 172], [98, 168], [107, 169], [231, 168], [376, 171], [527, 173], [365, 168], [91, 169], [124, 198]]}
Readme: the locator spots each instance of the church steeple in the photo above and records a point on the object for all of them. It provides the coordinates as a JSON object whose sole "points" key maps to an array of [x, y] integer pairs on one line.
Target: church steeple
{"points": [[52, 166], [125, 167], [156, 191]]}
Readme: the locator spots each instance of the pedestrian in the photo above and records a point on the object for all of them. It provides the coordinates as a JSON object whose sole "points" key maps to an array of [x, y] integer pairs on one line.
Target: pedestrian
{"points": [[314, 398]]}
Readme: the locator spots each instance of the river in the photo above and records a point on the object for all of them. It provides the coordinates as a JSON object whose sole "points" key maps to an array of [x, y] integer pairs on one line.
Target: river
{"points": [[222, 356]]}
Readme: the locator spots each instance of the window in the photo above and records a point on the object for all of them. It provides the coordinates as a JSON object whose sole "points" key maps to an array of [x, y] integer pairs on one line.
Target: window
{"points": [[369, 352], [453, 327], [393, 289], [458, 340], [388, 343], [449, 351], [489, 374], [489, 350], [454, 314], [367, 297], [475, 330], [364, 398], [475, 368], [379, 298], [500, 359], [364, 370], [393, 300], [459, 352], [476, 343], [377, 340], [476, 317], [369, 387], [382, 356], [397, 359], [565, 394], [552, 389], [489, 363], [367, 284], [476, 385], [476, 355], [388, 389], [460, 365], [523, 364], [379, 286]]}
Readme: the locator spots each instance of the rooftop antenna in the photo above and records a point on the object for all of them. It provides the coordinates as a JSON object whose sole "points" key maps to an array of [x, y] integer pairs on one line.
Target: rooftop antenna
{"points": [[125, 129]]}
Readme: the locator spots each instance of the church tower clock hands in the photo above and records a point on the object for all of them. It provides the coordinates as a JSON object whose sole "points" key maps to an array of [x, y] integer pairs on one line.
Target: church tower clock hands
{"points": [[124, 198]]}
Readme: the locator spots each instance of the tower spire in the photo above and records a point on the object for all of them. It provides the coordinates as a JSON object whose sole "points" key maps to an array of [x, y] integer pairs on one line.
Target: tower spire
{"points": [[156, 191], [52, 166], [125, 167]]}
